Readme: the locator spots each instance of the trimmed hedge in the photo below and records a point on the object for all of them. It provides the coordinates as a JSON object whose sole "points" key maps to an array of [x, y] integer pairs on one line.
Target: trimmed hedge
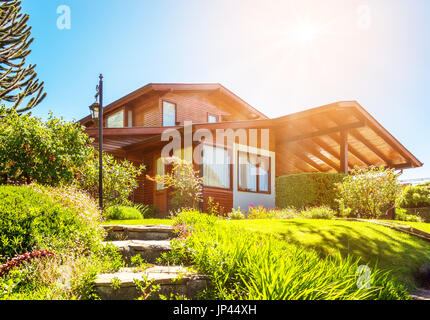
{"points": [[307, 189]]}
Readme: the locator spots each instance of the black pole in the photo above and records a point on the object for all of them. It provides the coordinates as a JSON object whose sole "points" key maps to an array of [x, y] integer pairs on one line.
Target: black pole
{"points": [[101, 141]]}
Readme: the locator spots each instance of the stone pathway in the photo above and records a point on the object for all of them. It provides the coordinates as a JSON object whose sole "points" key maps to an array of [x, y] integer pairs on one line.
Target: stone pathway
{"points": [[421, 294], [149, 242]]}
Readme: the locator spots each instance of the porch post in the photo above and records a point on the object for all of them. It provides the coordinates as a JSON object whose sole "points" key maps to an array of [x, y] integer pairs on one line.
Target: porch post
{"points": [[344, 151]]}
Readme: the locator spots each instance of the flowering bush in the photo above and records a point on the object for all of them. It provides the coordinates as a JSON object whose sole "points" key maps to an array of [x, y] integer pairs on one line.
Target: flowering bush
{"points": [[17, 261]]}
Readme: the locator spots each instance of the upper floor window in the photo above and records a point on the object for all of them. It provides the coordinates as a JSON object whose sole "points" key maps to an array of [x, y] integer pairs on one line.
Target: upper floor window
{"points": [[169, 114], [253, 173], [212, 118], [116, 120]]}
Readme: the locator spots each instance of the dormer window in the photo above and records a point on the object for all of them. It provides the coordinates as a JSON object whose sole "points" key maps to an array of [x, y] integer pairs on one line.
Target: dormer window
{"points": [[212, 118], [169, 114], [115, 120]]}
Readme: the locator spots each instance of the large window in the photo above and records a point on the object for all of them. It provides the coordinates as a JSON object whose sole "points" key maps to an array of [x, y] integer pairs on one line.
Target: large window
{"points": [[116, 120], [169, 114], [253, 172], [216, 167]]}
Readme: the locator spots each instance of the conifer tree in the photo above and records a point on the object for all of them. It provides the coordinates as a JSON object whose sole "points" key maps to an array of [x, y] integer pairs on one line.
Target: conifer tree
{"points": [[17, 79]]}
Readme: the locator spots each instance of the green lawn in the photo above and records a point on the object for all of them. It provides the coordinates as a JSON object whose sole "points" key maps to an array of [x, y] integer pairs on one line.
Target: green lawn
{"points": [[140, 222], [393, 250]]}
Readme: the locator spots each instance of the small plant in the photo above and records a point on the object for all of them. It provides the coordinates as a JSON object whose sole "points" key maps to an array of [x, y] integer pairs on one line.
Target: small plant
{"points": [[115, 283], [147, 211], [123, 213], [236, 214], [147, 287]]}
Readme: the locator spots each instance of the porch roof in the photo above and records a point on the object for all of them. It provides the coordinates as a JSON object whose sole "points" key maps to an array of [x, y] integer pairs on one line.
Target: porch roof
{"points": [[331, 138]]}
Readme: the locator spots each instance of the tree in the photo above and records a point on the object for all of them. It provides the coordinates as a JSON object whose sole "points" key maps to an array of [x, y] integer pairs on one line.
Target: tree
{"points": [[368, 192], [17, 79], [187, 186]]}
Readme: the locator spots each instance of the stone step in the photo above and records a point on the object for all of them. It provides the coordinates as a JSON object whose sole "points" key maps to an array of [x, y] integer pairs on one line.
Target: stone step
{"points": [[149, 250], [135, 232], [174, 280]]}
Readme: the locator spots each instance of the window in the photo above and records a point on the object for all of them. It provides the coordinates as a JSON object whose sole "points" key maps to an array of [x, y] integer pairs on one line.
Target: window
{"points": [[160, 172], [216, 167], [253, 172], [212, 118], [130, 119], [116, 120], [169, 114]]}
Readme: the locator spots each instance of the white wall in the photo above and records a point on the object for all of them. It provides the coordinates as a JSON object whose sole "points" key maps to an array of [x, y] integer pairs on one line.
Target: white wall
{"points": [[244, 199]]}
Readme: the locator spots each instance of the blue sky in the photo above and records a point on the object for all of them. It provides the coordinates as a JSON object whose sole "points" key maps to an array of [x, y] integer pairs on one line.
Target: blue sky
{"points": [[280, 56]]}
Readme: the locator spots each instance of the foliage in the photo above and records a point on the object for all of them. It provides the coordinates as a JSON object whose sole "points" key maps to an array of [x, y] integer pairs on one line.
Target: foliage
{"points": [[307, 189], [119, 178], [32, 220], [323, 212], [17, 79], [214, 208], [267, 268], [122, 213], [261, 212], [33, 150], [17, 261], [147, 211], [369, 192], [184, 180], [414, 197], [236, 214], [403, 216]]}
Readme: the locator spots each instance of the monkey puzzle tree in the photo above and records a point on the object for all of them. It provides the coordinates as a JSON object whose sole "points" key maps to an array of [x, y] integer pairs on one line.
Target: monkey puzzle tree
{"points": [[17, 79]]}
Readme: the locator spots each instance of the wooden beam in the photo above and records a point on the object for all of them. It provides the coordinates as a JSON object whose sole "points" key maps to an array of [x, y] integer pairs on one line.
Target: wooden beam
{"points": [[344, 152], [135, 131], [357, 135], [302, 156], [324, 132]]}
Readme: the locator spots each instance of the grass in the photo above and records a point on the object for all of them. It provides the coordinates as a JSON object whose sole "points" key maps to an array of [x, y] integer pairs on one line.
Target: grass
{"points": [[142, 222], [417, 225], [244, 264], [390, 249]]}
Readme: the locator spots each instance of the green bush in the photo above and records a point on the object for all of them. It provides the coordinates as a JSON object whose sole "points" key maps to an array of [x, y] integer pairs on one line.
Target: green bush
{"points": [[123, 213], [267, 268], [307, 189], [147, 211], [322, 212], [369, 192], [402, 215], [119, 179], [414, 197], [47, 152], [31, 219]]}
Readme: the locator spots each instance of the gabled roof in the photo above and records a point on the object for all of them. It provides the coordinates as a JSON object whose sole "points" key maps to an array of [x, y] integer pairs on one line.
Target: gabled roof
{"points": [[166, 87], [306, 141]]}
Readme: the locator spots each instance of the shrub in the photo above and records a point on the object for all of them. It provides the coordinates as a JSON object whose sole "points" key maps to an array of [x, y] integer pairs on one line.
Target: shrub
{"points": [[307, 189], [147, 211], [184, 180], [30, 219], [414, 197], [403, 216], [266, 268], [236, 214], [322, 212], [123, 213], [119, 179], [368, 192], [47, 152]]}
